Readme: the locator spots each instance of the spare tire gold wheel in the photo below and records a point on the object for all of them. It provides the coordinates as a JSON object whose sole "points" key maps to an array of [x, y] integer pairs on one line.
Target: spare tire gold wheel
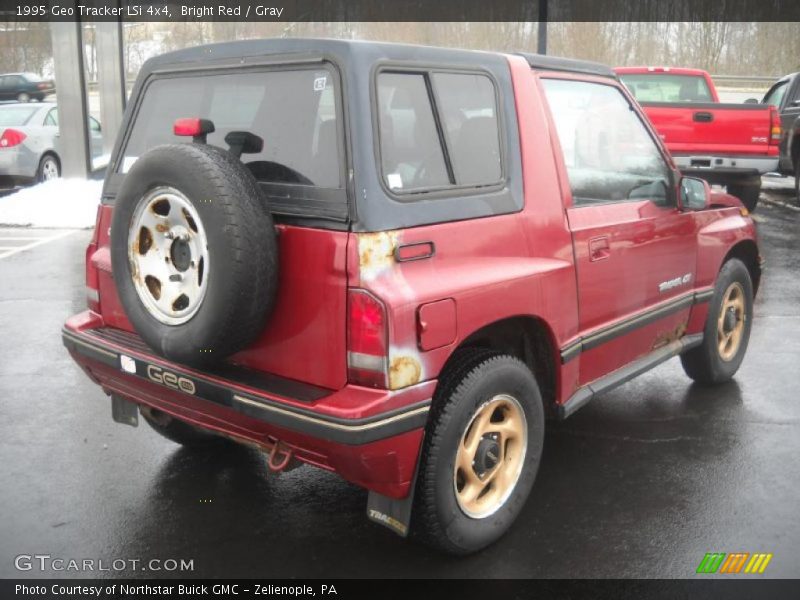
{"points": [[481, 452]]}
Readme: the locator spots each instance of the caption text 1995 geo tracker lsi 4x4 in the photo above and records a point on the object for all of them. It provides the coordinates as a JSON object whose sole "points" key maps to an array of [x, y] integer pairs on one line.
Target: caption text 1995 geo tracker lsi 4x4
{"points": [[394, 262]]}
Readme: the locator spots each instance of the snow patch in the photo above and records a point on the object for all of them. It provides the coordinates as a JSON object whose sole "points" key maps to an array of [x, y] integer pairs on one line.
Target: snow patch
{"points": [[61, 203]]}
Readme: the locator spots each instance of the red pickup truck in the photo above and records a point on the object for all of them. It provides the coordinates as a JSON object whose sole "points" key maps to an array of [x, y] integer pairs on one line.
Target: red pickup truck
{"points": [[725, 144], [392, 262]]}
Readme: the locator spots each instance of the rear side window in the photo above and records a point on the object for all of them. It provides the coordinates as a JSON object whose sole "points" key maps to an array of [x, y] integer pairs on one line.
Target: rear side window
{"points": [[438, 131], [469, 115], [659, 87], [292, 111], [411, 152], [16, 115]]}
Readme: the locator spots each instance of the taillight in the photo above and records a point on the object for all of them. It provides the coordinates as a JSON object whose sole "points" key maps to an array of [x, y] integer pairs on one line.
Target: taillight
{"points": [[42, 86], [92, 273], [11, 137], [775, 126], [367, 340]]}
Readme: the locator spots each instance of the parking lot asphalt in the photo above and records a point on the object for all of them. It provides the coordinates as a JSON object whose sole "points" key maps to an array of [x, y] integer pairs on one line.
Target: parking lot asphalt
{"points": [[640, 483]]}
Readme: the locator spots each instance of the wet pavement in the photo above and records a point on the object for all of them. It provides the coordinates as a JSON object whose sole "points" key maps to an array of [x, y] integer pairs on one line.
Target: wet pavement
{"points": [[640, 483]]}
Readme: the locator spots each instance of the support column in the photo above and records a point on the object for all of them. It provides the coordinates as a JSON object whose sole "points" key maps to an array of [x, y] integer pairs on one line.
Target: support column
{"points": [[73, 141], [110, 79], [541, 37]]}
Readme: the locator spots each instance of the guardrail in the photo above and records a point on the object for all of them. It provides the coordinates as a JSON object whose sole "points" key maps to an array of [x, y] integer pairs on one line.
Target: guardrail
{"points": [[745, 78]]}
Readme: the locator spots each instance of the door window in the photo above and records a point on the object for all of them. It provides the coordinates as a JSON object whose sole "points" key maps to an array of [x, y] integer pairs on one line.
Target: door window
{"points": [[775, 95], [609, 154]]}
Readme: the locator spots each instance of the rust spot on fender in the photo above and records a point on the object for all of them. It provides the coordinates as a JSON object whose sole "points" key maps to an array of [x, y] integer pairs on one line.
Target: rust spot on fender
{"points": [[376, 252], [404, 371]]}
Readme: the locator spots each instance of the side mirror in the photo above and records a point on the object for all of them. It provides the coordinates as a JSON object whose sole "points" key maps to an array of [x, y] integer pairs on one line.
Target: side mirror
{"points": [[695, 193], [751, 101]]}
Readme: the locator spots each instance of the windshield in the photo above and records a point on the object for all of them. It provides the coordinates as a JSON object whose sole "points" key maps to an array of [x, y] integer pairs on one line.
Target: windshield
{"points": [[662, 87], [11, 116], [292, 111]]}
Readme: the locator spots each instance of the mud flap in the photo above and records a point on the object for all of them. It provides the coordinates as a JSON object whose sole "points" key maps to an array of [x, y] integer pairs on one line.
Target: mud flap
{"points": [[392, 512], [124, 411]]}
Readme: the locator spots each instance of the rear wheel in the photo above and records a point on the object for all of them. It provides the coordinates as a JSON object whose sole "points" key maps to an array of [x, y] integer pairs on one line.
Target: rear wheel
{"points": [[481, 453], [49, 168], [748, 193], [177, 431], [727, 330]]}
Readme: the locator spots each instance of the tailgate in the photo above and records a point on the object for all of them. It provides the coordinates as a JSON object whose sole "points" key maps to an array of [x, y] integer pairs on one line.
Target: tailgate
{"points": [[711, 128], [305, 337]]}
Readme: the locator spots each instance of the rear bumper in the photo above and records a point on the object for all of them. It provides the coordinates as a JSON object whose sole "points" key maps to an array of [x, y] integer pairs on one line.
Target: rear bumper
{"points": [[370, 437], [18, 164], [725, 166]]}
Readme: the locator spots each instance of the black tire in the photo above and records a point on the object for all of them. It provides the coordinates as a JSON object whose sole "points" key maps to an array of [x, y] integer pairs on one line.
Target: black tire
{"points": [[705, 364], [178, 431], [472, 378], [748, 193], [49, 168], [23, 97], [241, 243]]}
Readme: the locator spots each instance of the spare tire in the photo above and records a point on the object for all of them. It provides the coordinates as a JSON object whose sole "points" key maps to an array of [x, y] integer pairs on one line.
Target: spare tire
{"points": [[194, 253]]}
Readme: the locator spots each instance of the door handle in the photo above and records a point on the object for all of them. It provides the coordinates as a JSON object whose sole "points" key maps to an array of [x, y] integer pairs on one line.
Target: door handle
{"points": [[703, 117], [599, 248]]}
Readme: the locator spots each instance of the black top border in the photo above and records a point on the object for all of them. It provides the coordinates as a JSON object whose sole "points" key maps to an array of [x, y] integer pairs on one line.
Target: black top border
{"points": [[404, 10]]}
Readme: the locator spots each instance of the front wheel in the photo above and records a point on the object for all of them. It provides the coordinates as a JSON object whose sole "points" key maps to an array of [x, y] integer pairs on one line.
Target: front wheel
{"points": [[23, 97], [727, 330], [481, 452]]}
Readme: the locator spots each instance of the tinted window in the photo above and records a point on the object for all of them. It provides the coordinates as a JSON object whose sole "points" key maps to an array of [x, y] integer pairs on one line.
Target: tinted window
{"points": [[659, 87], [469, 116], [293, 111], [16, 115], [455, 144], [775, 95], [609, 154], [411, 152]]}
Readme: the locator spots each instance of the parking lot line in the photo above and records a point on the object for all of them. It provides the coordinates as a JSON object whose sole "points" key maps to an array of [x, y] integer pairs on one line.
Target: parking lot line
{"points": [[7, 251]]}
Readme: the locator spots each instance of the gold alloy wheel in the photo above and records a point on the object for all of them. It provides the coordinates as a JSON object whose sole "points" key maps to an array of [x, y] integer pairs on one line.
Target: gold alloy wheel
{"points": [[490, 456], [731, 322]]}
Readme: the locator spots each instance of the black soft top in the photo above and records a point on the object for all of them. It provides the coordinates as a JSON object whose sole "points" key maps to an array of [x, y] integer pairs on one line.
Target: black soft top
{"points": [[367, 204]]}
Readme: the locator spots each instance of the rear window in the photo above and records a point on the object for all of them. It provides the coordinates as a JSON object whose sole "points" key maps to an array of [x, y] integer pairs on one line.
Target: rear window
{"points": [[438, 131], [293, 111], [660, 87], [16, 115]]}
